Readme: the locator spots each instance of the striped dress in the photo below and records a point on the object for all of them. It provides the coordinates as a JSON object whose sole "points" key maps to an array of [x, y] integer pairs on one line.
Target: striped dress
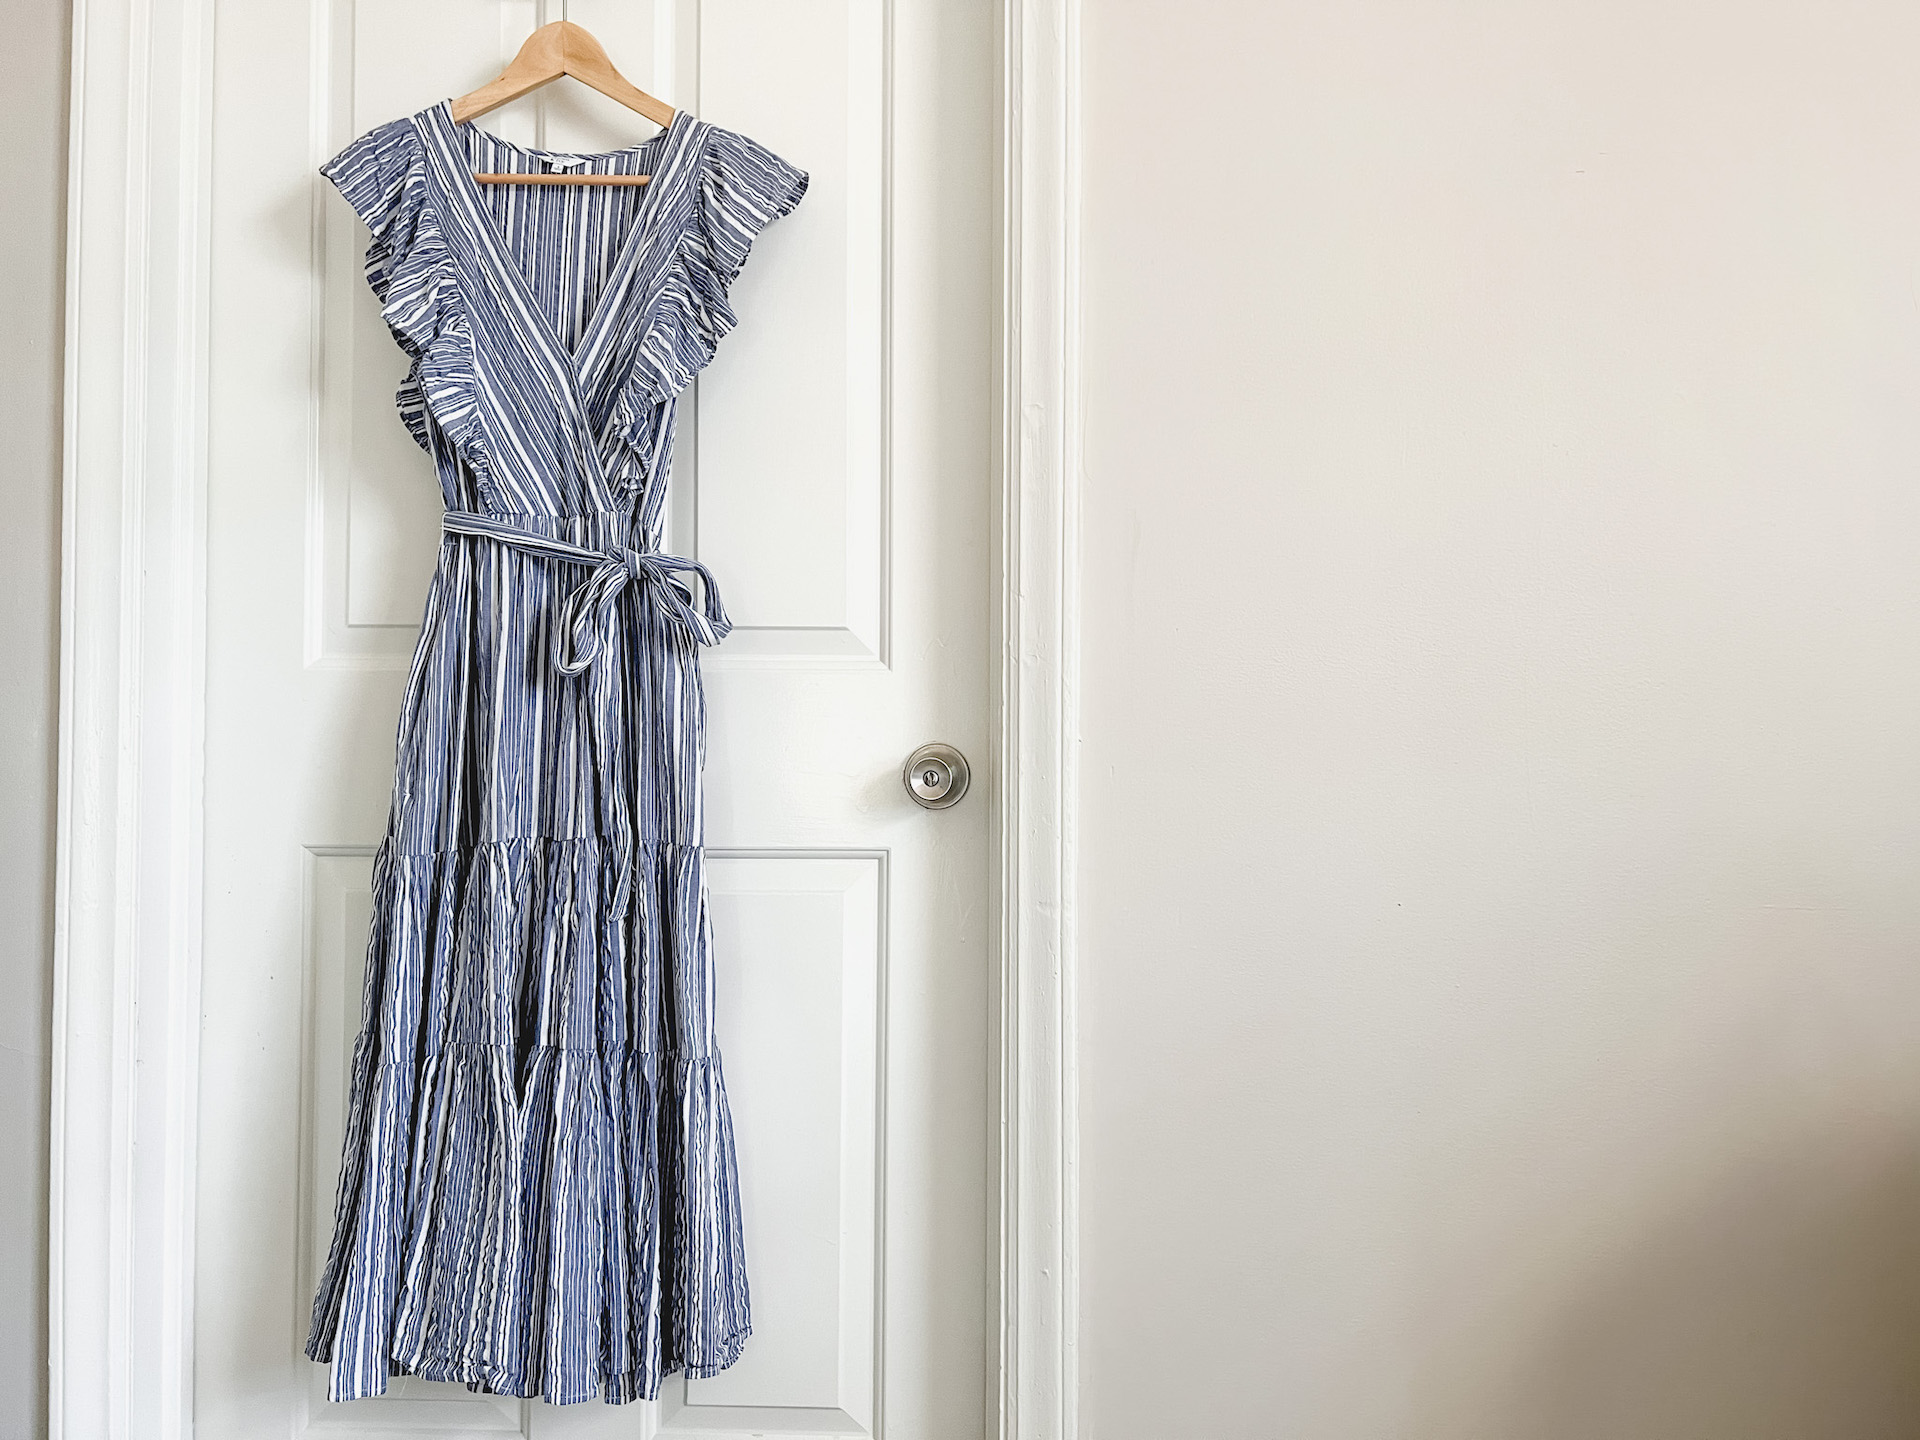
{"points": [[537, 1194]]}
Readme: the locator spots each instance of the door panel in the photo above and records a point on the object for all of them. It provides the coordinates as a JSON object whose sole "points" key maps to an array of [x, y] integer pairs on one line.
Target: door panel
{"points": [[801, 936], [832, 471], [803, 395]]}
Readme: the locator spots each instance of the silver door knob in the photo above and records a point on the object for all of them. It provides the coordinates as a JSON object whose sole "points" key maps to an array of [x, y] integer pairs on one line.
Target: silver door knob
{"points": [[936, 776]]}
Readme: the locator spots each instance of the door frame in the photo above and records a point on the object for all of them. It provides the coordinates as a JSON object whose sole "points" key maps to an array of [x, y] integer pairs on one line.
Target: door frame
{"points": [[125, 1043]]}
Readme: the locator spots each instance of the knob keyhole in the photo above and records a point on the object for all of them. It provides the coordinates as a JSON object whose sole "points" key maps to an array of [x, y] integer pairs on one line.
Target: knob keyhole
{"points": [[936, 776]]}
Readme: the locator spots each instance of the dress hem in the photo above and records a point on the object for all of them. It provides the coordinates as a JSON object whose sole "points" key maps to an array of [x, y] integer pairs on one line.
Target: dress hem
{"points": [[489, 1380]]}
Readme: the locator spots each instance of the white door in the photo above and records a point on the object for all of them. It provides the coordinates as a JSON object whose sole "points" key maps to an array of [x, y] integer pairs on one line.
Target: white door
{"points": [[833, 473]]}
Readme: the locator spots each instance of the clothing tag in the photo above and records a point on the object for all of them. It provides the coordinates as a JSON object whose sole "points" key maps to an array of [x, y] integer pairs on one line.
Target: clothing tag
{"points": [[563, 162]]}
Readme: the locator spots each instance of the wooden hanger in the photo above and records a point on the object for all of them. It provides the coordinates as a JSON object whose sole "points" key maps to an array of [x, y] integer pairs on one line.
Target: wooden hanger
{"points": [[562, 48]]}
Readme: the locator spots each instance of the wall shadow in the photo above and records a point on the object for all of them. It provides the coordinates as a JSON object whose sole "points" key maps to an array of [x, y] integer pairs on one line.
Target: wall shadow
{"points": [[1781, 1303]]}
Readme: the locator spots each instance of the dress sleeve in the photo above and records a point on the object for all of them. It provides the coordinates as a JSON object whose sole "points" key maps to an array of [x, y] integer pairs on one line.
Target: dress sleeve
{"points": [[744, 187], [371, 173], [382, 176], [738, 188]]}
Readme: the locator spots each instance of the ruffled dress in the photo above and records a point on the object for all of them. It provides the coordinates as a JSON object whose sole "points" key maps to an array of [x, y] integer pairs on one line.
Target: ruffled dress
{"points": [[537, 1191]]}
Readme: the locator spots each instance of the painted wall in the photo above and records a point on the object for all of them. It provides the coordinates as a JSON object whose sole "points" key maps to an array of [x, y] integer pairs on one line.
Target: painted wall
{"points": [[33, 170], [1502, 720]]}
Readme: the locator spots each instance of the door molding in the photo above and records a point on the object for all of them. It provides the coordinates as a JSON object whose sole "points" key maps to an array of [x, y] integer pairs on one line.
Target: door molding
{"points": [[132, 731], [1036, 717], [132, 612]]}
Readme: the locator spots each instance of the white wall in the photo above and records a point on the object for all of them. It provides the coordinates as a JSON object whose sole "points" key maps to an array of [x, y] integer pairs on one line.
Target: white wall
{"points": [[1502, 735], [33, 168]]}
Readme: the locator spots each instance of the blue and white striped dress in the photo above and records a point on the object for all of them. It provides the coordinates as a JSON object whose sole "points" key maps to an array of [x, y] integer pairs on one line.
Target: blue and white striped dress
{"points": [[537, 1194]]}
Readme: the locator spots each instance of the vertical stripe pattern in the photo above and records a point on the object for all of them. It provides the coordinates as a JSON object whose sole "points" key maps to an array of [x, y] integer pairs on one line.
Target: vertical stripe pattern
{"points": [[537, 1191]]}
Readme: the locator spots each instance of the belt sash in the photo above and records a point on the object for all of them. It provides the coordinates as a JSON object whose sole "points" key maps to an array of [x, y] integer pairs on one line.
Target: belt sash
{"points": [[580, 625], [579, 632]]}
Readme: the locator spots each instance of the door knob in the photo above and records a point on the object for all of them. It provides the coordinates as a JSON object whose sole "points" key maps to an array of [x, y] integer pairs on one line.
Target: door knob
{"points": [[936, 776]]}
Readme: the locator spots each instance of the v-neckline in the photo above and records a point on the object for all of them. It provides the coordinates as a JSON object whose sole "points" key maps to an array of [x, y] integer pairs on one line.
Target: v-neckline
{"points": [[631, 243]]}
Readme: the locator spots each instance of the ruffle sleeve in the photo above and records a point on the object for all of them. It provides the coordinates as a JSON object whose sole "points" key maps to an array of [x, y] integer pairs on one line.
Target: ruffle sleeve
{"points": [[744, 187], [383, 176], [371, 174], [740, 188]]}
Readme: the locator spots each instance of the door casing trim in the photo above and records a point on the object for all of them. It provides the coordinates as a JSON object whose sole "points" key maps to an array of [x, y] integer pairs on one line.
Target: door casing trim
{"points": [[1036, 715], [125, 1043], [128, 878]]}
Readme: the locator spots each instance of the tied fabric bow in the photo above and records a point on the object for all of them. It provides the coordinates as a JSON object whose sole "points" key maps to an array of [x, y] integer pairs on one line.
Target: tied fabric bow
{"points": [[580, 626]]}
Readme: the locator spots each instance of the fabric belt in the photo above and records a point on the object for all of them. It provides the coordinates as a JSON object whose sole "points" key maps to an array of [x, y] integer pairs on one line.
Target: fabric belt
{"points": [[580, 628], [581, 624]]}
